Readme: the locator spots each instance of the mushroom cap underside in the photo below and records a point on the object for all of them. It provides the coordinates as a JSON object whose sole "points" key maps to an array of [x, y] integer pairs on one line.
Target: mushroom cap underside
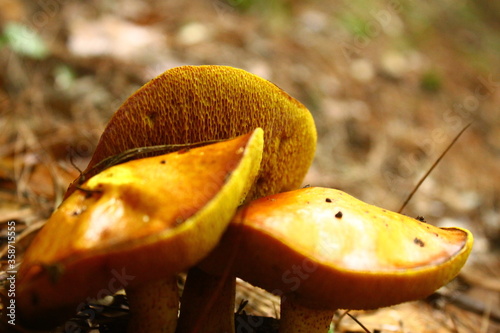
{"points": [[331, 250], [192, 104], [135, 222]]}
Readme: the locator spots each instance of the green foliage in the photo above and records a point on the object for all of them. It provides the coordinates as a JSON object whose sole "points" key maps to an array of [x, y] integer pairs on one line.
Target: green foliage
{"points": [[24, 41], [64, 77], [431, 81], [257, 5], [276, 12], [355, 24]]}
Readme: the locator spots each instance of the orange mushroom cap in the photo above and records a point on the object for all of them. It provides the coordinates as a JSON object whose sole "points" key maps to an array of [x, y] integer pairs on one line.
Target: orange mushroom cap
{"points": [[135, 222], [330, 250], [192, 104]]}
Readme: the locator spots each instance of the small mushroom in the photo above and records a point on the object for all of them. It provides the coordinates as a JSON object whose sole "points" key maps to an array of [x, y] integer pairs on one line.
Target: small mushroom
{"points": [[321, 255], [192, 104], [135, 226]]}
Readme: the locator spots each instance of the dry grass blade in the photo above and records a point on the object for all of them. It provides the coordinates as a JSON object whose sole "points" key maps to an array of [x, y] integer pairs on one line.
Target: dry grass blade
{"points": [[358, 322], [136, 153], [432, 168]]}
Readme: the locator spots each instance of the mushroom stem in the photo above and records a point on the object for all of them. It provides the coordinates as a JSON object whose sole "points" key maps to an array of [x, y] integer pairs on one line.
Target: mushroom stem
{"points": [[207, 303], [296, 318], [154, 306]]}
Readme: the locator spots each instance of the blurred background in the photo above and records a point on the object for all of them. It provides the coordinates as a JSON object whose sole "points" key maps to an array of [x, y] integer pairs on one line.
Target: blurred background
{"points": [[389, 83]]}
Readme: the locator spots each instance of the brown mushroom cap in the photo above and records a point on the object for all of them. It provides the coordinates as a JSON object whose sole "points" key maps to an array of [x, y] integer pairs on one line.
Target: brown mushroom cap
{"points": [[192, 104], [133, 223], [328, 250]]}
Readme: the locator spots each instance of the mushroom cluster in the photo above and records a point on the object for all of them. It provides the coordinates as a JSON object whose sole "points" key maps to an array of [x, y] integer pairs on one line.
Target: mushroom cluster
{"points": [[233, 140]]}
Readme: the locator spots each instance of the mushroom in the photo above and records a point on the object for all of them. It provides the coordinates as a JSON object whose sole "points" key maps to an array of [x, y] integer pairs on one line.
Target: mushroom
{"points": [[135, 226], [191, 104], [321, 249]]}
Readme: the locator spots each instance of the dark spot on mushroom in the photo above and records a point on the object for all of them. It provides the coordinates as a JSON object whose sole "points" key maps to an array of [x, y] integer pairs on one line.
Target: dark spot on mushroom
{"points": [[260, 181], [163, 162], [77, 212], [54, 272], [227, 176], [152, 116], [383, 210], [419, 242], [339, 215], [34, 299], [183, 151], [328, 200], [420, 218]]}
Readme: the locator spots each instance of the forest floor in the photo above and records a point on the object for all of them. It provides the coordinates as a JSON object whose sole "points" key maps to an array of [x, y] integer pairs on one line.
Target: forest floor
{"points": [[389, 84]]}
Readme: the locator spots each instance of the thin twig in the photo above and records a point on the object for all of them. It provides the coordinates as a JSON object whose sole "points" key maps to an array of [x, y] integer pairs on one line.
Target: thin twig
{"points": [[432, 168], [134, 153], [358, 322]]}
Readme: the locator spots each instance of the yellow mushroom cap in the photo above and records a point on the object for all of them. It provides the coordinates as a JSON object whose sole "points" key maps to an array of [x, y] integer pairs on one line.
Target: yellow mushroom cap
{"points": [[331, 250], [192, 104], [135, 222]]}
